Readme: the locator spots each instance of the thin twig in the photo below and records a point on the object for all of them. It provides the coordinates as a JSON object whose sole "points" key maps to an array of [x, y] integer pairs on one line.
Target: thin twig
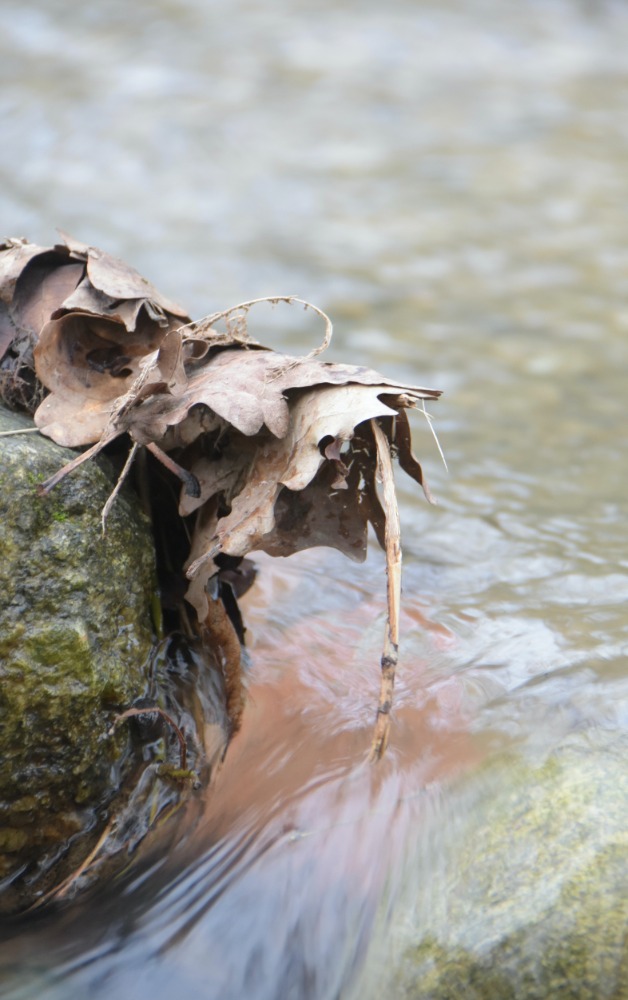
{"points": [[23, 430], [189, 480], [207, 322], [220, 639], [123, 404], [393, 573], [194, 567], [429, 419], [154, 709], [46, 486], [61, 890], [118, 486]]}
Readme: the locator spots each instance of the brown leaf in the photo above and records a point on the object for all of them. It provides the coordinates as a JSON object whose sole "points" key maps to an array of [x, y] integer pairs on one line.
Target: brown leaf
{"points": [[247, 389], [317, 515], [320, 514], [275, 453], [399, 434], [292, 462], [204, 531], [86, 298], [324, 514], [91, 320], [410, 464], [89, 363], [86, 362], [33, 282], [221, 641], [118, 280], [221, 471], [231, 384], [268, 435], [15, 254], [199, 423], [41, 289], [7, 330], [72, 419]]}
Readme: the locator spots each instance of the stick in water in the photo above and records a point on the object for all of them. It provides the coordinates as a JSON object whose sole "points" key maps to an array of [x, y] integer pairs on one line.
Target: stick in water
{"points": [[393, 574]]}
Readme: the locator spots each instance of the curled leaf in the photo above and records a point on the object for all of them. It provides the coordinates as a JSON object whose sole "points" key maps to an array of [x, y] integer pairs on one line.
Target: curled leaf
{"points": [[111, 284], [83, 321], [15, 253]]}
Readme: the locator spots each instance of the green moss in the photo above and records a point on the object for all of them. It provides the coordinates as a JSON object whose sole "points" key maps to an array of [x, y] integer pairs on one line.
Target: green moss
{"points": [[75, 638], [12, 840]]}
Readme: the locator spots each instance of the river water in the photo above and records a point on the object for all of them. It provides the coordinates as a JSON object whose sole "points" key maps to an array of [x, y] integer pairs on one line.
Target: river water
{"points": [[449, 181]]}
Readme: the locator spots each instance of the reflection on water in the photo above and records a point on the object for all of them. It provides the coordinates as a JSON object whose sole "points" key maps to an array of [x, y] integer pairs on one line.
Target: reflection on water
{"points": [[279, 873], [449, 182], [279, 878]]}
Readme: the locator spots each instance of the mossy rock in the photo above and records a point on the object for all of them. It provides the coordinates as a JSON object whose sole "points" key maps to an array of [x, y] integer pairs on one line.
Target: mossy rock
{"points": [[534, 904], [75, 643]]}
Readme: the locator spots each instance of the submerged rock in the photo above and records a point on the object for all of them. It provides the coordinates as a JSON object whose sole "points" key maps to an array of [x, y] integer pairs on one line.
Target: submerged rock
{"points": [[75, 643], [534, 900]]}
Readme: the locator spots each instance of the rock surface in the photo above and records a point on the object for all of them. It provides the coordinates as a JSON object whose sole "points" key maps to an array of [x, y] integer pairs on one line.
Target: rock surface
{"points": [[534, 896], [75, 641]]}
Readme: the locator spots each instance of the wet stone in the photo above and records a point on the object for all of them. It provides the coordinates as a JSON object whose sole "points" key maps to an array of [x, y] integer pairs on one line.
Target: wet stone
{"points": [[534, 899], [75, 643]]}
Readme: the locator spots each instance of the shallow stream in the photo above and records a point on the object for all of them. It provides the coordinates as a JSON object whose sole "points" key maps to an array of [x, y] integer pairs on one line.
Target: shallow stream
{"points": [[449, 181]]}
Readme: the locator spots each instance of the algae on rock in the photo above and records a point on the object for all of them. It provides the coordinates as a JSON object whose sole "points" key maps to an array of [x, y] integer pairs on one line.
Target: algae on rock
{"points": [[75, 642], [534, 900]]}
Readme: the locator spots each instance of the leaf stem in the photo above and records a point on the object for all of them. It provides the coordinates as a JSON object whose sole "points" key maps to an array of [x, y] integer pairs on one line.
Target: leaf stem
{"points": [[392, 535]]}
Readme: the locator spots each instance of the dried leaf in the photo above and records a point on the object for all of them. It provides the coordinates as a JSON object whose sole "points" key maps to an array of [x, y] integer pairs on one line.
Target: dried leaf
{"points": [[72, 419], [220, 638], [90, 319], [291, 462], [247, 389], [275, 453], [222, 471], [118, 280], [41, 289], [205, 528], [15, 254], [86, 298], [231, 385], [321, 514], [266, 424], [33, 283], [7, 330], [88, 363], [399, 434]]}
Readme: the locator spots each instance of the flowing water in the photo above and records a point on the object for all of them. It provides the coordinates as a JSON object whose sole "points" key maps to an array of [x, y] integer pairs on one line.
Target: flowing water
{"points": [[449, 181]]}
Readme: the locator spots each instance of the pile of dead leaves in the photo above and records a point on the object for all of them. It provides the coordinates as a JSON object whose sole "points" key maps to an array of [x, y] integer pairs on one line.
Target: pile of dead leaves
{"points": [[273, 452]]}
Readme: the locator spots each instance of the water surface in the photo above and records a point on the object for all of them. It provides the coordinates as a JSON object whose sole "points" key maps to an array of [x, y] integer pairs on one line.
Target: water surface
{"points": [[449, 181]]}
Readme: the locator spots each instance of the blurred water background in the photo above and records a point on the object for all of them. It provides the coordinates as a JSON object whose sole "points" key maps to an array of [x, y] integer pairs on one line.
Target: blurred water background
{"points": [[449, 182]]}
